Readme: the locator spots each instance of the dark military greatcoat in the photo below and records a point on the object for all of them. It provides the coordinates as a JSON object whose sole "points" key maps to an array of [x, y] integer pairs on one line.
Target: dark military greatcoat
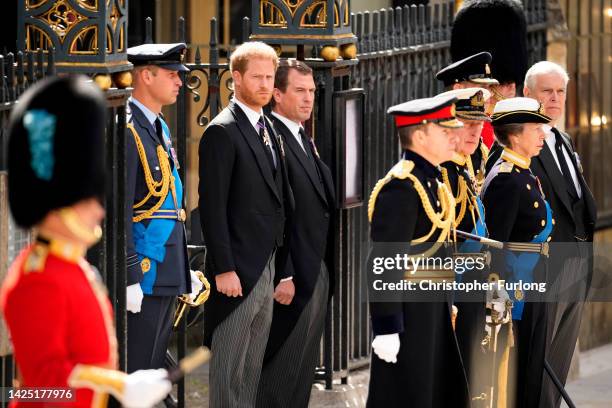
{"points": [[428, 371], [518, 212]]}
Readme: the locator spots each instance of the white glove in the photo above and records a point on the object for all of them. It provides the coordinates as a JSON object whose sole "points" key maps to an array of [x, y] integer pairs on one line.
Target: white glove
{"points": [[133, 299], [386, 347], [145, 388], [196, 284]]}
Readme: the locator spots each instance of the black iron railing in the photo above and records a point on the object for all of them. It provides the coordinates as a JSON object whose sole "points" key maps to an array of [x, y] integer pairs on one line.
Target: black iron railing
{"points": [[399, 51]]}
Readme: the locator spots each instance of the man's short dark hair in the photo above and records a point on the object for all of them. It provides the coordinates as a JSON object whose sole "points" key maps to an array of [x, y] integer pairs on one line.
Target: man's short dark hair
{"points": [[281, 79], [405, 134], [503, 132]]}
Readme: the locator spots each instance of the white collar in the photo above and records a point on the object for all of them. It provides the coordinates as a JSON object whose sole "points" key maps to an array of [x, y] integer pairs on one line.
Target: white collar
{"points": [[252, 115], [293, 127]]}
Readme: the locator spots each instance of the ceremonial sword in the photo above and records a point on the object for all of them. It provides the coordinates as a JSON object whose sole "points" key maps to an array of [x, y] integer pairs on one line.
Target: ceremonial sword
{"points": [[523, 247], [541, 248]]}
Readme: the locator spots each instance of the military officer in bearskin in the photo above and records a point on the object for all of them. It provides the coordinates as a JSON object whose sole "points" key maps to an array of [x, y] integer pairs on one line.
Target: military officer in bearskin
{"points": [[157, 263], [56, 308], [415, 357], [502, 32], [517, 212], [460, 177], [474, 71]]}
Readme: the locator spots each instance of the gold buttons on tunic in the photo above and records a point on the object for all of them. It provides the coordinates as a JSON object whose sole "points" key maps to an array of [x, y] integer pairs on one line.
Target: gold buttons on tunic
{"points": [[536, 204], [549, 238], [553, 221], [528, 186], [517, 170], [543, 223], [145, 265]]}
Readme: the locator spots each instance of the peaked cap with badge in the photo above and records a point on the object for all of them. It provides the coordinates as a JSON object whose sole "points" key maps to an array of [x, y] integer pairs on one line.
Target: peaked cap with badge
{"points": [[168, 56], [470, 104], [475, 68], [502, 29], [440, 111], [518, 110]]}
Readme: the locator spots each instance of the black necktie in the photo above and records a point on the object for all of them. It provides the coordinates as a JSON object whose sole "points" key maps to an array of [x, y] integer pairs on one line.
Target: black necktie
{"points": [[266, 141], [305, 143], [309, 150], [571, 187], [160, 133], [160, 136]]}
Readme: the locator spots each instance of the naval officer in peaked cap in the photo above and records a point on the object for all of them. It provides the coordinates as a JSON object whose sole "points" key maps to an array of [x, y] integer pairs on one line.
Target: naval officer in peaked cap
{"points": [[475, 71], [157, 263], [518, 212]]}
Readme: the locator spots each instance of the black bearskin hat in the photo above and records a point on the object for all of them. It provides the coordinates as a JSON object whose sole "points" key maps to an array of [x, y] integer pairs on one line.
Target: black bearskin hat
{"points": [[495, 26], [56, 147]]}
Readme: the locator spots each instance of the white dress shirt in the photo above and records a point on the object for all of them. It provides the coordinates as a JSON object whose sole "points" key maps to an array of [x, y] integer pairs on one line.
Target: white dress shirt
{"points": [[149, 114], [253, 118], [293, 127], [550, 141]]}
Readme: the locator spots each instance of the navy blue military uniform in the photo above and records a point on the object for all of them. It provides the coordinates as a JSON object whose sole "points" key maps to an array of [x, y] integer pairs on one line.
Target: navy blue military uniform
{"points": [[429, 371], [463, 177], [156, 240], [517, 212]]}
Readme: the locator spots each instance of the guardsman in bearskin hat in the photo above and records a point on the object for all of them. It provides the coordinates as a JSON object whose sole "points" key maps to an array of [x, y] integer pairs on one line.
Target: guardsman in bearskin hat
{"points": [[157, 263], [474, 71], [460, 177], [502, 29], [53, 301], [518, 214], [415, 357]]}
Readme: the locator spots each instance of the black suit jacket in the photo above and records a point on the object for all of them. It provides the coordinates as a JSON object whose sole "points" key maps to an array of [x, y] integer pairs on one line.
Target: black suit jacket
{"points": [[314, 205], [553, 185], [243, 207]]}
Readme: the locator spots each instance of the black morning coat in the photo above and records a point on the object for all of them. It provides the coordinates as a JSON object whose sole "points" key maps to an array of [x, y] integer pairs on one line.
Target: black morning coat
{"points": [[312, 222], [429, 371], [553, 183], [244, 205]]}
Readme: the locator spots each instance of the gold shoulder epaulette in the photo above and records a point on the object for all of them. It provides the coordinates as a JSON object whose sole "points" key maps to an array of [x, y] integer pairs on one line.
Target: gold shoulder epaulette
{"points": [[506, 167], [35, 262], [400, 171]]}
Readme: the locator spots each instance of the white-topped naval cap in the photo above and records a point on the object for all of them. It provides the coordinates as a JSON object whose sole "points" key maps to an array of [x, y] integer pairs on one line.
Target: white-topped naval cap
{"points": [[518, 110]]}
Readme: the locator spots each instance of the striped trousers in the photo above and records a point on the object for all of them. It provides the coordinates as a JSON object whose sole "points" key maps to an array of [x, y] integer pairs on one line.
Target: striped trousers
{"points": [[238, 347], [286, 380]]}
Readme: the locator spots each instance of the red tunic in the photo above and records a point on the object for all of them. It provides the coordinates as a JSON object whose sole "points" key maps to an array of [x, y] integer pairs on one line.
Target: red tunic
{"points": [[488, 137], [58, 315]]}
